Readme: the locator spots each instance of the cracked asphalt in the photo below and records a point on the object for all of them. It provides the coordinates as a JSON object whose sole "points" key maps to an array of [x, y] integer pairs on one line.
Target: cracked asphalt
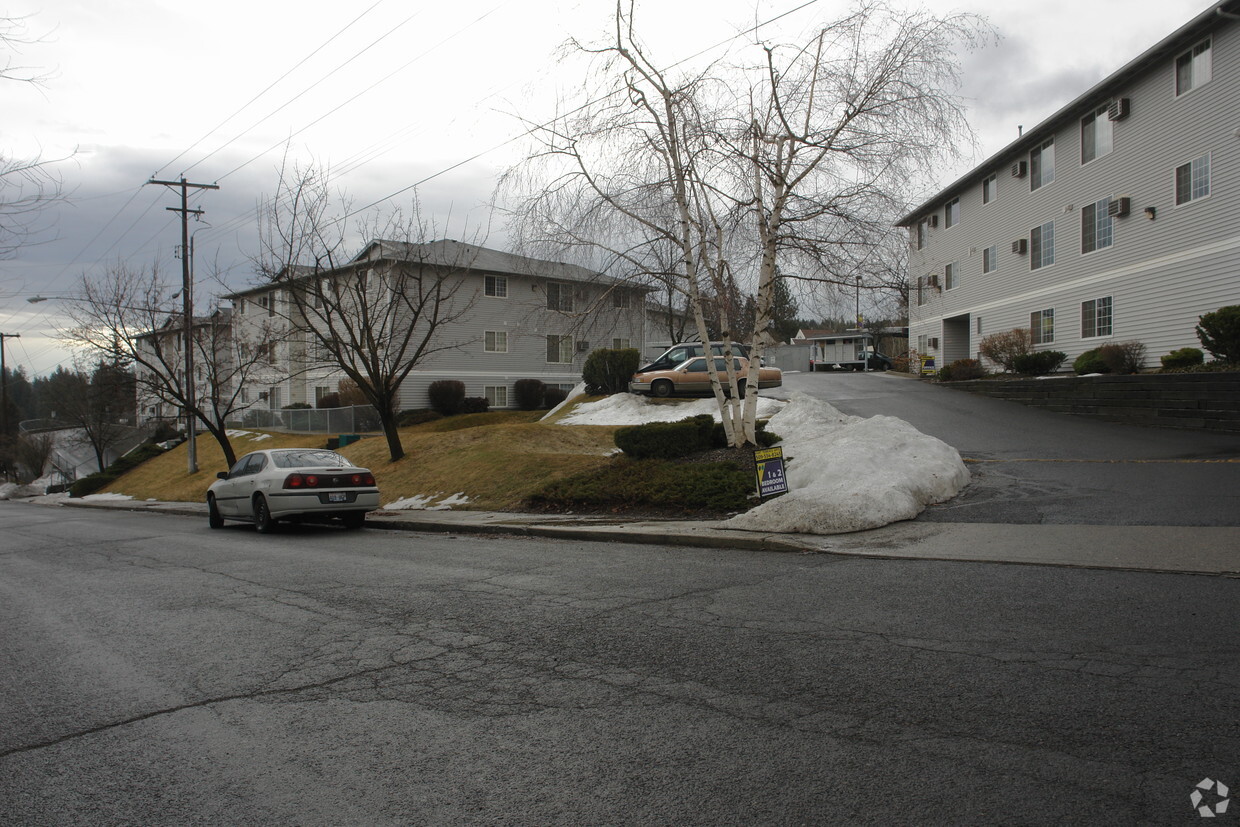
{"points": [[155, 672]]}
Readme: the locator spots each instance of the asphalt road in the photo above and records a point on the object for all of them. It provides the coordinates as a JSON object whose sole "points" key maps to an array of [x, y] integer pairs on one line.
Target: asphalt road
{"points": [[1036, 466], [155, 672]]}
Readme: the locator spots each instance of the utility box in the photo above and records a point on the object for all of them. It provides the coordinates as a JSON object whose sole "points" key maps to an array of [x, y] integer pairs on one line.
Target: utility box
{"points": [[347, 439]]}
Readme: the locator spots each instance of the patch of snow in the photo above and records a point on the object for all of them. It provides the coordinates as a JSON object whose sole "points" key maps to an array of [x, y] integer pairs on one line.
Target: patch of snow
{"points": [[259, 437], [424, 502], [631, 409], [236, 432], [577, 390], [850, 474], [105, 497]]}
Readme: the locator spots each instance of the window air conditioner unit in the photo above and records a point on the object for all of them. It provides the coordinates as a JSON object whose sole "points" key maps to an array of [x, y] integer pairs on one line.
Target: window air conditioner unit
{"points": [[934, 221], [1020, 246], [1119, 206], [1020, 169], [933, 342], [582, 346], [1118, 110]]}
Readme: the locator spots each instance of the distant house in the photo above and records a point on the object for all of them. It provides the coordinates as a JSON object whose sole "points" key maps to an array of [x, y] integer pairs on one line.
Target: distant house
{"points": [[526, 319], [1116, 219]]}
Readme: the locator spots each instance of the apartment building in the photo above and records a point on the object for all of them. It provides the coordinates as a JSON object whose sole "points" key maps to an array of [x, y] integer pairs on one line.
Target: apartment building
{"points": [[1115, 219]]}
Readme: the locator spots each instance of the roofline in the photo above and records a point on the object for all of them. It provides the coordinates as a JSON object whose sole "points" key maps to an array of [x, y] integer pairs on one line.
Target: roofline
{"points": [[1215, 17]]}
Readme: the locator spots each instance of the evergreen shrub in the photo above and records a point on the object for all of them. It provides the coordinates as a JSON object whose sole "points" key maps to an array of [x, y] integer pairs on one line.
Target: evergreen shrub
{"points": [[1219, 333], [1185, 357], [553, 397], [475, 404], [609, 370], [664, 440], [1038, 363], [447, 396], [529, 393], [1090, 362], [419, 416]]}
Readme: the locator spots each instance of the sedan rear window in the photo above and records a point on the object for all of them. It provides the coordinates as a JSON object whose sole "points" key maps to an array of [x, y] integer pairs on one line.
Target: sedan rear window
{"points": [[309, 459]]}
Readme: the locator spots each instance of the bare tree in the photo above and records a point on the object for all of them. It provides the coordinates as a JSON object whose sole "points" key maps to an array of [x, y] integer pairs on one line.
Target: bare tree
{"points": [[123, 316], [797, 162], [97, 404], [375, 316], [27, 185], [33, 451]]}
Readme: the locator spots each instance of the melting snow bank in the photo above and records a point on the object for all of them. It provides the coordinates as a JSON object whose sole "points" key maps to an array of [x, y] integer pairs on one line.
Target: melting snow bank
{"points": [[630, 409], [424, 503], [850, 474]]}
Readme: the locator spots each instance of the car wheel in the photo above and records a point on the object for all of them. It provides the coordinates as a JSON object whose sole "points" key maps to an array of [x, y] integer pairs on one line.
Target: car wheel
{"points": [[213, 513], [354, 519], [263, 521], [661, 388]]}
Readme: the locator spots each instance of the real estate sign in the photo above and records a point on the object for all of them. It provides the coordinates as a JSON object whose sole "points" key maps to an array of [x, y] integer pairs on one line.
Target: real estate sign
{"points": [[770, 467]]}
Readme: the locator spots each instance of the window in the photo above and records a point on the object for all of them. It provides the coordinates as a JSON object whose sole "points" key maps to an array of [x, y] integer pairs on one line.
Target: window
{"points": [[1096, 226], [1096, 135], [620, 299], [990, 259], [1192, 69], [1096, 318], [495, 341], [921, 234], [921, 290], [949, 276], [979, 328], [1042, 246], [1042, 165], [496, 286], [951, 214], [621, 344], [497, 395], [319, 392], [990, 189], [921, 343], [273, 399], [1192, 180], [559, 296], [560, 350], [1042, 326]]}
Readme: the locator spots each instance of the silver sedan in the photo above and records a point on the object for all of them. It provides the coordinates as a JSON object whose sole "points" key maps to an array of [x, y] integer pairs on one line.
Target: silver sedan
{"points": [[265, 487]]}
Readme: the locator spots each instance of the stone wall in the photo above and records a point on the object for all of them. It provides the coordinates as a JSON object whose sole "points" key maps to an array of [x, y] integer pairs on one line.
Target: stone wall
{"points": [[1209, 401]]}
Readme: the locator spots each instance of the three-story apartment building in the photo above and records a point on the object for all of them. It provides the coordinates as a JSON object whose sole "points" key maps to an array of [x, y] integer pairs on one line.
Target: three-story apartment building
{"points": [[1116, 219]]}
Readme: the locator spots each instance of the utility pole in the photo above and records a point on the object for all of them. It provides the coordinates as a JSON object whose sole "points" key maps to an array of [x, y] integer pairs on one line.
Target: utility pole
{"points": [[187, 305], [4, 394]]}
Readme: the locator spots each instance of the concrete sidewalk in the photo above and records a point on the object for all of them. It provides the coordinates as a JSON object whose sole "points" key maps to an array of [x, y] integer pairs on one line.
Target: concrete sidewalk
{"points": [[1183, 549]]}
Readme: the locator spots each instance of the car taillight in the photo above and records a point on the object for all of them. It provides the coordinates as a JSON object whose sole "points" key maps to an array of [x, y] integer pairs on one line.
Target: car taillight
{"points": [[293, 481], [363, 479]]}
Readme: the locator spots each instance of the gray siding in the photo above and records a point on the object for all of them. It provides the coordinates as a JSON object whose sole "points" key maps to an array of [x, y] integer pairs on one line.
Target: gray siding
{"points": [[1160, 274]]}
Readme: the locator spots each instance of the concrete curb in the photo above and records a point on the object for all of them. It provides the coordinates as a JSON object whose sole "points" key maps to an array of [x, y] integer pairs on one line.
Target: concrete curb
{"points": [[1196, 550]]}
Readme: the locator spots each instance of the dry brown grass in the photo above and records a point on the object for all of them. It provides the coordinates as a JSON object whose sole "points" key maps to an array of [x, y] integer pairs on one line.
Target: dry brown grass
{"points": [[496, 459]]}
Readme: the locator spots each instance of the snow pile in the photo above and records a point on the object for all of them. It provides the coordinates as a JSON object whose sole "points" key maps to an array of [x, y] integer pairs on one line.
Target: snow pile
{"points": [[577, 390], [630, 409], [846, 473], [105, 497], [424, 503], [850, 474]]}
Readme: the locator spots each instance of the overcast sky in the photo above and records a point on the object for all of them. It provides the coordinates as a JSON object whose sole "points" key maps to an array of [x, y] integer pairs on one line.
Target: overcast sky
{"points": [[391, 93]]}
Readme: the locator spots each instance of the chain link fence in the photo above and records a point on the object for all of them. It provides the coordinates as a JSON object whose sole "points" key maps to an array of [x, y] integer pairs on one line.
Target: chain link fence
{"points": [[350, 420]]}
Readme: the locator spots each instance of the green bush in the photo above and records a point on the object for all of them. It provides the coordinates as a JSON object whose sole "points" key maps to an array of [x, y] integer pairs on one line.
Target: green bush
{"points": [[1185, 357], [93, 482], [1219, 333], [90, 484], [946, 374], [962, 369], [420, 416], [609, 371], [1090, 362], [447, 396], [553, 397], [649, 483], [297, 406], [719, 438], [529, 393], [1038, 363], [663, 440], [1004, 348], [475, 405]]}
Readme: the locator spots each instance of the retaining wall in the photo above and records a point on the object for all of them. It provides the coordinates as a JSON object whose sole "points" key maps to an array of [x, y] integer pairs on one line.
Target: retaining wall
{"points": [[1208, 401]]}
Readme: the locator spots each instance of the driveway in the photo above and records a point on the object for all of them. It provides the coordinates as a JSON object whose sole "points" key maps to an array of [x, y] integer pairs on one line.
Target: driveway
{"points": [[1036, 466]]}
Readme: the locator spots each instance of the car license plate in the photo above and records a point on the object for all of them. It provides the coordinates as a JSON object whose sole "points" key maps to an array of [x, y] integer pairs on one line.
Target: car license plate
{"points": [[337, 497]]}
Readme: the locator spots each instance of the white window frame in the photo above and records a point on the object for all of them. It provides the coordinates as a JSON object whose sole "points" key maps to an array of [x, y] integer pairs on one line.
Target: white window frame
{"points": [[1038, 246], [496, 395], [1101, 139], [621, 344], [495, 287], [921, 234], [1042, 326], [1198, 169], [949, 276], [990, 189], [951, 213], [990, 259], [563, 301], [1092, 312], [495, 341], [1097, 227], [1041, 173], [620, 299], [1200, 64]]}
